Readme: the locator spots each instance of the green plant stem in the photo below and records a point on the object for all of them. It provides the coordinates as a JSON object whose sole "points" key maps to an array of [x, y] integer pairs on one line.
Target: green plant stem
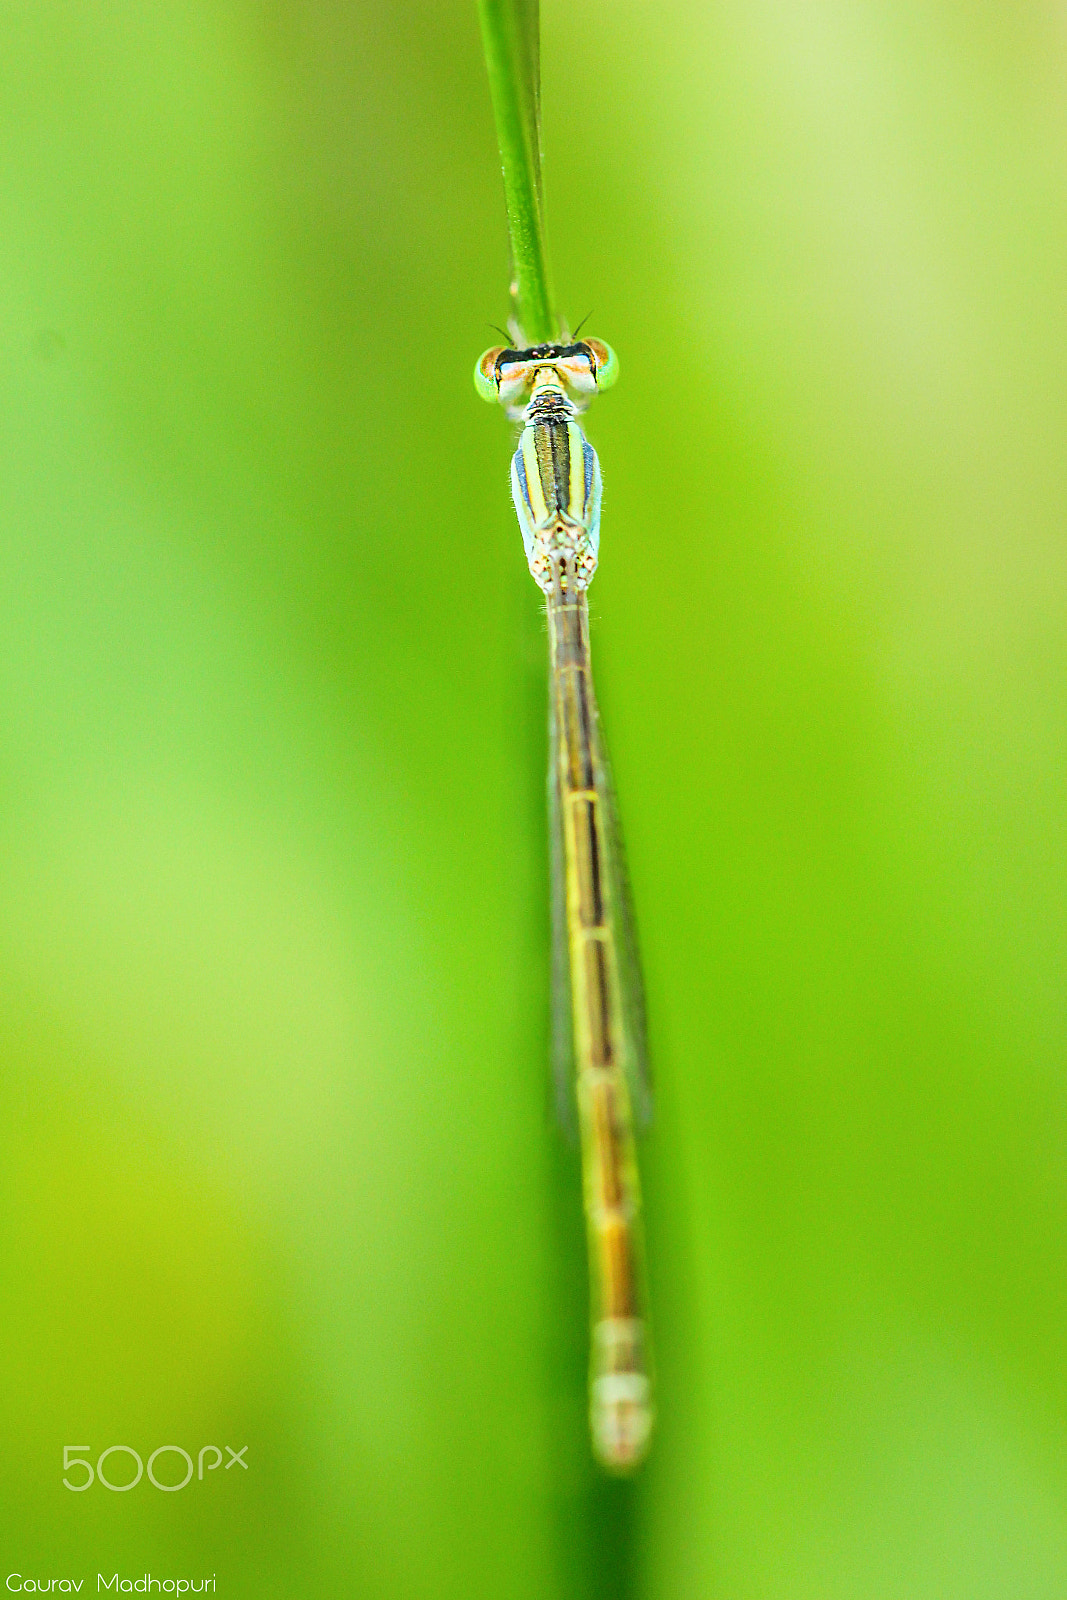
{"points": [[510, 37]]}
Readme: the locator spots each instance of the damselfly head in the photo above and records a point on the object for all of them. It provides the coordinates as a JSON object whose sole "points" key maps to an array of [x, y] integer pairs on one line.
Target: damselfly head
{"points": [[579, 370]]}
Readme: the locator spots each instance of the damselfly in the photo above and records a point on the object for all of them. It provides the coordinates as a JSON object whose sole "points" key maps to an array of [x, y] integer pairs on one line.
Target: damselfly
{"points": [[598, 1007]]}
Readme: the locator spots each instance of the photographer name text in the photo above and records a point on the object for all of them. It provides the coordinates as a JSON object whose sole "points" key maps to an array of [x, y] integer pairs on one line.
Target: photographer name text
{"points": [[146, 1584]]}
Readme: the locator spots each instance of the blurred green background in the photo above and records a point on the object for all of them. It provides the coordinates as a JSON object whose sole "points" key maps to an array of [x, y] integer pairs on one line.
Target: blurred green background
{"points": [[277, 1163]]}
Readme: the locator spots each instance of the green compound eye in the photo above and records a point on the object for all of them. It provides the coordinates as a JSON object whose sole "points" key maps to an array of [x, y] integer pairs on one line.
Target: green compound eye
{"points": [[485, 374], [607, 363]]}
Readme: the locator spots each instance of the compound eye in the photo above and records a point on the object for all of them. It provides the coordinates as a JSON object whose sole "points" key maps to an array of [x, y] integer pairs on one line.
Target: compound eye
{"points": [[605, 362], [485, 379]]}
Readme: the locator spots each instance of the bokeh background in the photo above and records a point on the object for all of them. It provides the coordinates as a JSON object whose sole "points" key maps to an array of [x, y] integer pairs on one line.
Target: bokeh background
{"points": [[278, 1168]]}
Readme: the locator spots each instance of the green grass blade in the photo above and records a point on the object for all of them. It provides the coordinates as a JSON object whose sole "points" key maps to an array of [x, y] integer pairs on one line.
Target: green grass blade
{"points": [[511, 39]]}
